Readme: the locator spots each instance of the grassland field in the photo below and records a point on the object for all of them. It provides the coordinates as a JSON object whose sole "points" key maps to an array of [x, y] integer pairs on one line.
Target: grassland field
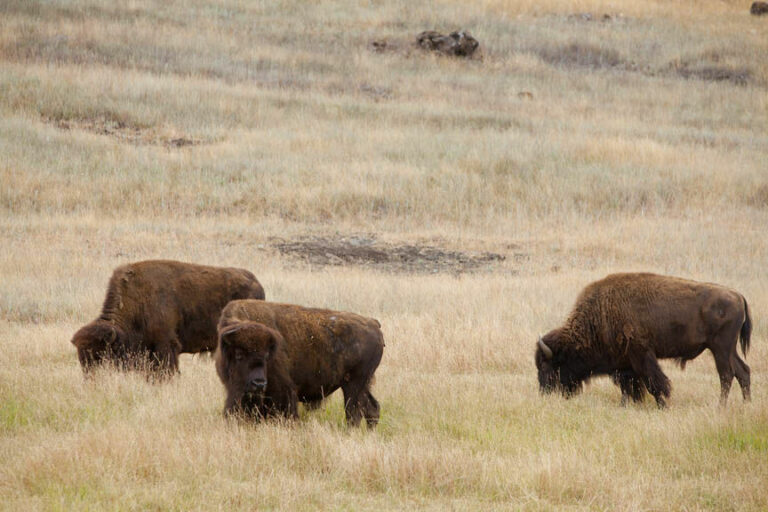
{"points": [[424, 191]]}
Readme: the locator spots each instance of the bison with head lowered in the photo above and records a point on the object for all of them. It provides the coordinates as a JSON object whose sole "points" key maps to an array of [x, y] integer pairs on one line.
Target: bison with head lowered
{"points": [[271, 356], [623, 324], [157, 309]]}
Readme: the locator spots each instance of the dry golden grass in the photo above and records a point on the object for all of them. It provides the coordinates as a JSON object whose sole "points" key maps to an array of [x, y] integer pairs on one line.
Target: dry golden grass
{"points": [[205, 130]]}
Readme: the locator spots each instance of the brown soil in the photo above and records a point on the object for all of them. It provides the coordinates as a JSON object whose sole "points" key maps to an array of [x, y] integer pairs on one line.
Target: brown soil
{"points": [[580, 55], [367, 251], [738, 76], [122, 131]]}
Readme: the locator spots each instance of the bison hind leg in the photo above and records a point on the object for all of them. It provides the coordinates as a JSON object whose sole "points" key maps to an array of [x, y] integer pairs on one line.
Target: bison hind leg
{"points": [[742, 375], [360, 404], [353, 395], [372, 409]]}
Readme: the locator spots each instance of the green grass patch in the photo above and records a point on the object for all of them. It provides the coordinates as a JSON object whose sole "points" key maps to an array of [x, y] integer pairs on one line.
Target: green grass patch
{"points": [[743, 441], [14, 414]]}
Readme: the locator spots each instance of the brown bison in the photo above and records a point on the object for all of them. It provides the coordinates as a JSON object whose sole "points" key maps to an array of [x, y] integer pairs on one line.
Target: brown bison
{"points": [[155, 310], [271, 356], [622, 324]]}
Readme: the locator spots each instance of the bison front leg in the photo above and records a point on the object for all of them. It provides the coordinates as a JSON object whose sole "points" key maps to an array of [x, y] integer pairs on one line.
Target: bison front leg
{"points": [[631, 386], [164, 358], [285, 404], [646, 366]]}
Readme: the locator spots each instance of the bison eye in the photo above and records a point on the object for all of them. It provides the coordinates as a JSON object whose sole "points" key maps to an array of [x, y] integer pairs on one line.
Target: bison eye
{"points": [[239, 355]]}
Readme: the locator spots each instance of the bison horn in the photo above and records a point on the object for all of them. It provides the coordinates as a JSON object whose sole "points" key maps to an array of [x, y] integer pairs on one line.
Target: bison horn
{"points": [[230, 329], [545, 349]]}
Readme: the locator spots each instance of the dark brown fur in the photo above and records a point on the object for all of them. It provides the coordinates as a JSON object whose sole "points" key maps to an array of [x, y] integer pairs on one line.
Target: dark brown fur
{"points": [[621, 325], [155, 310], [305, 354]]}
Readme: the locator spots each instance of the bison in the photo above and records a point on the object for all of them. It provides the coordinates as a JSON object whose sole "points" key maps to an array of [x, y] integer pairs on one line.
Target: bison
{"points": [[155, 310], [622, 324], [271, 356]]}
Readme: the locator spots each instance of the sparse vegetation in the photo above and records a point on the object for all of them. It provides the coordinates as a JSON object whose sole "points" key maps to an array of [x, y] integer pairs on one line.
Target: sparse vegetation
{"points": [[219, 131]]}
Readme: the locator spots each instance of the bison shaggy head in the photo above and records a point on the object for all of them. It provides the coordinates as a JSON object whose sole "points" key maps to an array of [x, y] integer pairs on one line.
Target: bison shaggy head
{"points": [[557, 369], [99, 342], [245, 354]]}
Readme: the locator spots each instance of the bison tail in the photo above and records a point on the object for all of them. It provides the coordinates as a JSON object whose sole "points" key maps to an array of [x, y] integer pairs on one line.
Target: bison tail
{"points": [[746, 329]]}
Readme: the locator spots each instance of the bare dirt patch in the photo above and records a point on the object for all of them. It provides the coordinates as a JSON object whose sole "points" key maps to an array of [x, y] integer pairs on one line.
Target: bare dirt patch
{"points": [[738, 76], [365, 250], [590, 17], [714, 65], [582, 55], [123, 132]]}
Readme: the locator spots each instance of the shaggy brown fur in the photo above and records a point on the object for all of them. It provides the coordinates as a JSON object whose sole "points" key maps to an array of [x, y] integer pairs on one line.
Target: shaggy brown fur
{"points": [[270, 356], [155, 310], [621, 325]]}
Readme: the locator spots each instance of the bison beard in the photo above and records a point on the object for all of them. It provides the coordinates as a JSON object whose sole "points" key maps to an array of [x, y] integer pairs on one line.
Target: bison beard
{"points": [[621, 325], [272, 356], [252, 363]]}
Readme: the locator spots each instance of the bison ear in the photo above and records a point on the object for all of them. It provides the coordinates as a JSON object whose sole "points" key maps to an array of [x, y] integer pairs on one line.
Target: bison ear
{"points": [[111, 336], [277, 340], [226, 331]]}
